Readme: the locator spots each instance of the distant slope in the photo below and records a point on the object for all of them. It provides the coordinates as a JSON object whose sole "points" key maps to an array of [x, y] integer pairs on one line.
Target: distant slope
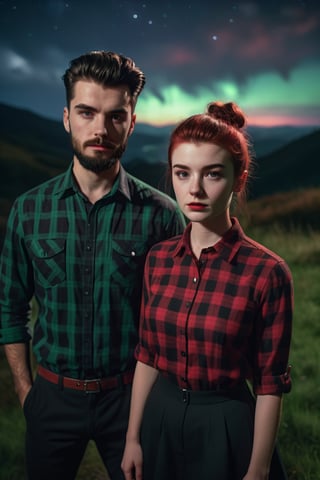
{"points": [[35, 134], [294, 166], [33, 149]]}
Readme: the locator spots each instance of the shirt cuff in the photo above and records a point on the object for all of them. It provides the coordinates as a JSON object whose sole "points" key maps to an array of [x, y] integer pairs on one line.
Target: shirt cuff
{"points": [[274, 384], [19, 334], [143, 355]]}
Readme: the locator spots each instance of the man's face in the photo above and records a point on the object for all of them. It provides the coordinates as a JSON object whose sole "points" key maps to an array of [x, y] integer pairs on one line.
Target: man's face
{"points": [[99, 120]]}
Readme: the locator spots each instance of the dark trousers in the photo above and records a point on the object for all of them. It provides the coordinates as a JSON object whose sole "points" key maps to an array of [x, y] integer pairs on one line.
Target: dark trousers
{"points": [[60, 423]]}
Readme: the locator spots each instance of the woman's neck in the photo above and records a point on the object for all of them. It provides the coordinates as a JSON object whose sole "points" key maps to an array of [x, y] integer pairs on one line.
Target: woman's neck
{"points": [[202, 236]]}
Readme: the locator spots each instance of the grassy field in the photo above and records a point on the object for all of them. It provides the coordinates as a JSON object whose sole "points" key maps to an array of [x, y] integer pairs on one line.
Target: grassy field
{"points": [[299, 436]]}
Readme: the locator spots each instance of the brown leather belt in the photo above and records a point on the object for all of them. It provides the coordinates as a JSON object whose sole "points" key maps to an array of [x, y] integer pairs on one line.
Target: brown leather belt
{"points": [[89, 386]]}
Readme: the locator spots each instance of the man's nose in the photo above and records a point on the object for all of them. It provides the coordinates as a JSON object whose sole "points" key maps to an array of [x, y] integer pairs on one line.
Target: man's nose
{"points": [[101, 127]]}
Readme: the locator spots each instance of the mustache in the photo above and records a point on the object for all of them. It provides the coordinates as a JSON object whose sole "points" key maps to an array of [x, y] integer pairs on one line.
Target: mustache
{"points": [[103, 143]]}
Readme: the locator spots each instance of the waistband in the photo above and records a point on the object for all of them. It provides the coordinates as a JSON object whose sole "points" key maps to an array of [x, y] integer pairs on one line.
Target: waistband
{"points": [[238, 392], [95, 385]]}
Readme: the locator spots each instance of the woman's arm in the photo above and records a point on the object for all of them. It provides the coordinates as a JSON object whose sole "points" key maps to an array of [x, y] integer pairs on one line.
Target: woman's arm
{"points": [[144, 378], [267, 418]]}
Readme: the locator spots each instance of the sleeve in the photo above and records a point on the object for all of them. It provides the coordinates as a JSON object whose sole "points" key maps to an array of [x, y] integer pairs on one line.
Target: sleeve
{"points": [[143, 351], [16, 283], [273, 333]]}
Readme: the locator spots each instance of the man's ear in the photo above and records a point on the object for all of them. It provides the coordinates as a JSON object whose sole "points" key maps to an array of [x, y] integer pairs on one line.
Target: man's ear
{"points": [[240, 182], [66, 122], [133, 122]]}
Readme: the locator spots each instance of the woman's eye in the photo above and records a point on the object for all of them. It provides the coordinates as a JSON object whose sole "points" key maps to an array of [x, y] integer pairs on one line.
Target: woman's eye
{"points": [[181, 174], [213, 174]]}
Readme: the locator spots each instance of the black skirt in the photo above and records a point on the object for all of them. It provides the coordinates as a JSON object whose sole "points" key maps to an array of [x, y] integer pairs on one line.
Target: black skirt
{"points": [[199, 435]]}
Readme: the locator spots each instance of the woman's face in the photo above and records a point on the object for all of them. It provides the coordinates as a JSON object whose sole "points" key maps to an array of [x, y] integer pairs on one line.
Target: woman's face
{"points": [[203, 181]]}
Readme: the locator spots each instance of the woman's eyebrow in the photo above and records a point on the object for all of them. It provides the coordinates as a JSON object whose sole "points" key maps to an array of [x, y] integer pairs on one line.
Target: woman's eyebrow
{"points": [[206, 167]]}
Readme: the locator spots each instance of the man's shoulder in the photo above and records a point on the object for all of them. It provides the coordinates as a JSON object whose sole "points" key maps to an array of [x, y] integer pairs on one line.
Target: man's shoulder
{"points": [[46, 188], [140, 190]]}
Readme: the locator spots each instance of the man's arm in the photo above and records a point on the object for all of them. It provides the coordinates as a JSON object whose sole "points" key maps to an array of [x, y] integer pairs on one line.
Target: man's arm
{"points": [[18, 356]]}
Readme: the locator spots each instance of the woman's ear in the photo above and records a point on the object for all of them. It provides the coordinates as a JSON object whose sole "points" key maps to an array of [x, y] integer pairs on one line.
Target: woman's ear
{"points": [[240, 181]]}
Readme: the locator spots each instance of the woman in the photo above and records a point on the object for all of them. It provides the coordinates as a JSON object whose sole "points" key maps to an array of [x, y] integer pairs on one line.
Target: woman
{"points": [[216, 313]]}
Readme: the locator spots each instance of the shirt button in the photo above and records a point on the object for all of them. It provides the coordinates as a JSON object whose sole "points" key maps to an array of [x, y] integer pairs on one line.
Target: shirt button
{"points": [[188, 304], [195, 280], [86, 292], [183, 354], [133, 254], [88, 248]]}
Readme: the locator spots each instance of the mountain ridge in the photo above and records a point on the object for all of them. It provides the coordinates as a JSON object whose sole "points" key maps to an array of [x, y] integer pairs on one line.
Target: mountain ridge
{"points": [[34, 149]]}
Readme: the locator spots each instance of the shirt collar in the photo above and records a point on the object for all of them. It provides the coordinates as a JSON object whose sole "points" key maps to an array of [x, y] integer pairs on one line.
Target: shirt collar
{"points": [[123, 184], [67, 185], [227, 247]]}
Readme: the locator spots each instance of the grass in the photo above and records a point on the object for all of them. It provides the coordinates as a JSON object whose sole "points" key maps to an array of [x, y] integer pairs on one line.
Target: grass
{"points": [[299, 435]]}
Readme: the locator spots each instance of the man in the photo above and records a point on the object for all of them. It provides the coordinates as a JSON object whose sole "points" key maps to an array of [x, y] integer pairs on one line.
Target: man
{"points": [[77, 244]]}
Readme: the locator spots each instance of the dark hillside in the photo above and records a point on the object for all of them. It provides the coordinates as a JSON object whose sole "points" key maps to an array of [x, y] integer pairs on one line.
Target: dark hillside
{"points": [[294, 166], [33, 133], [33, 149]]}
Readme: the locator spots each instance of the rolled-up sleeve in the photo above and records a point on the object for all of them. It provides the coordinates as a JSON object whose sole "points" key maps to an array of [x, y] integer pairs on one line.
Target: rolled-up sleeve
{"points": [[273, 333], [16, 284]]}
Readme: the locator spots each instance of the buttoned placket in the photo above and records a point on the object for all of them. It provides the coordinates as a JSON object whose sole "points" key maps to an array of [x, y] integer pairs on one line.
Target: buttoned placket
{"points": [[192, 289], [87, 285]]}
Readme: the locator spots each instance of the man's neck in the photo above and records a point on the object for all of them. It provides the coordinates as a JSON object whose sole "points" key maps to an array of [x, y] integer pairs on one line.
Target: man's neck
{"points": [[95, 185]]}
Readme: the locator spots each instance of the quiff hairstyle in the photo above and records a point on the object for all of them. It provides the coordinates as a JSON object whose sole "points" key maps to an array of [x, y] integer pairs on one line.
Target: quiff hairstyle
{"points": [[106, 69]]}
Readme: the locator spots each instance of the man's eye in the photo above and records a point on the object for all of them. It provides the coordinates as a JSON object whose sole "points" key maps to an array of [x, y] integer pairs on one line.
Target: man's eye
{"points": [[86, 114], [118, 117]]}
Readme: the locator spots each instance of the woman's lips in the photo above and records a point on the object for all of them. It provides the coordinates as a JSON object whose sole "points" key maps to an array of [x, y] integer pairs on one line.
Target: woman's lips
{"points": [[196, 206]]}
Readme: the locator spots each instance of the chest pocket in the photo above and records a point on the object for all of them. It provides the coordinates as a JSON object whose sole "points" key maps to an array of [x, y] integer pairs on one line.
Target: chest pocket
{"points": [[49, 261], [128, 260]]}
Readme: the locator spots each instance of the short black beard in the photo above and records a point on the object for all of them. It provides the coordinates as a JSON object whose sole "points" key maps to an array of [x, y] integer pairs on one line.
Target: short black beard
{"points": [[96, 164]]}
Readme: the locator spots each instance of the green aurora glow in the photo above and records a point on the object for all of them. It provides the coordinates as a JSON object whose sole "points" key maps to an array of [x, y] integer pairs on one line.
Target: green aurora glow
{"points": [[267, 99]]}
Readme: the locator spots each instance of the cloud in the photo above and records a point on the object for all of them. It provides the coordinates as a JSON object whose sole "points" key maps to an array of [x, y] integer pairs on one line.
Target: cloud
{"points": [[14, 65], [179, 56], [43, 70]]}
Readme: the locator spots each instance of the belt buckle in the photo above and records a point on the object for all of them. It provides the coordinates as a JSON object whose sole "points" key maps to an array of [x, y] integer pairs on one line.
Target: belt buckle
{"points": [[86, 384]]}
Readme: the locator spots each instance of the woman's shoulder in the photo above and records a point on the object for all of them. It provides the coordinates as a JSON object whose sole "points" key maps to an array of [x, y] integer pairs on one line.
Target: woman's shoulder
{"points": [[259, 250], [166, 246]]}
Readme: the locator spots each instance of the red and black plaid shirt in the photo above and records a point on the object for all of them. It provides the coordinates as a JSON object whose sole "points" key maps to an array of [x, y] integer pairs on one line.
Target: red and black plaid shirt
{"points": [[211, 322]]}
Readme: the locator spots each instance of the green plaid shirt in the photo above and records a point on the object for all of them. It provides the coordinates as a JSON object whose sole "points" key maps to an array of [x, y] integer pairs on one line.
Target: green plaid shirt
{"points": [[83, 264]]}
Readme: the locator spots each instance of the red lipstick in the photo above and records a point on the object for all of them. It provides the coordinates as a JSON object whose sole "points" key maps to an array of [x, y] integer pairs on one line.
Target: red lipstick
{"points": [[197, 207]]}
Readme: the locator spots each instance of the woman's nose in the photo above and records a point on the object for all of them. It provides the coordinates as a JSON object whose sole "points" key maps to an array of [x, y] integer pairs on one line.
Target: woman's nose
{"points": [[196, 187]]}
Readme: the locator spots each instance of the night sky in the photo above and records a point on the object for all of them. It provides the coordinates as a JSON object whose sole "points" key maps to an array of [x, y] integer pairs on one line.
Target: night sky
{"points": [[265, 55]]}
